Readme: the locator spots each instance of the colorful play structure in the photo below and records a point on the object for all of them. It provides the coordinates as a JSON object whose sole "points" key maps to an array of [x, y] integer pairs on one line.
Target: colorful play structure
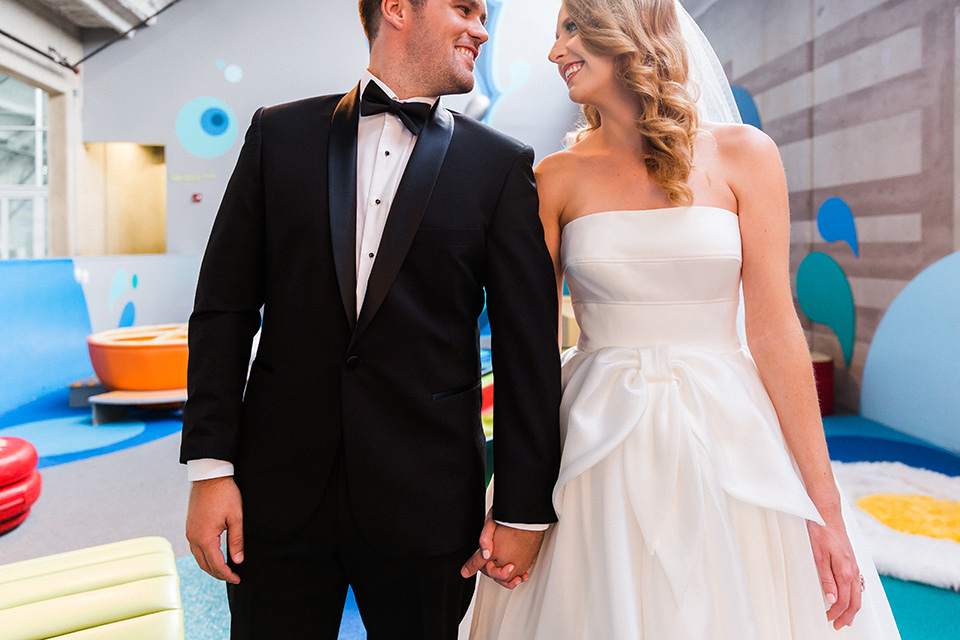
{"points": [[52, 307]]}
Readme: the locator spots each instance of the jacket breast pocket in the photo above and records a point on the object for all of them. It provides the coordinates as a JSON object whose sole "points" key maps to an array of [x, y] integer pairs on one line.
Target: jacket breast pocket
{"points": [[428, 236], [449, 393]]}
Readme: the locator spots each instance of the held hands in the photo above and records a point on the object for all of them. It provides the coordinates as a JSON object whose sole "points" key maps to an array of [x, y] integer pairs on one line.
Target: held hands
{"points": [[837, 566], [215, 507], [505, 554]]}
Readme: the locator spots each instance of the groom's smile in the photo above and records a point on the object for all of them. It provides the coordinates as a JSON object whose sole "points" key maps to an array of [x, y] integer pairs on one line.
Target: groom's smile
{"points": [[445, 43]]}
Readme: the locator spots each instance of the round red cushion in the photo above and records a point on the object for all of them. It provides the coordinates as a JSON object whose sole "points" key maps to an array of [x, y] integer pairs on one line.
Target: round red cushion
{"points": [[16, 499], [6, 525], [18, 459]]}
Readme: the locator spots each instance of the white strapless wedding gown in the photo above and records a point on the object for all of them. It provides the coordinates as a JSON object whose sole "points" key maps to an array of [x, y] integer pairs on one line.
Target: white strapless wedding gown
{"points": [[681, 512]]}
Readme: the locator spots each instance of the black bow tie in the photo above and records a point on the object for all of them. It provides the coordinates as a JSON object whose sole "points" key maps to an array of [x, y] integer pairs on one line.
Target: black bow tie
{"points": [[412, 114]]}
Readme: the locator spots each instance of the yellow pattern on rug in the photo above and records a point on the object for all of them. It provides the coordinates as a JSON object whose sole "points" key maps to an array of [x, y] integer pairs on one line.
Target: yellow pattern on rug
{"points": [[921, 515]]}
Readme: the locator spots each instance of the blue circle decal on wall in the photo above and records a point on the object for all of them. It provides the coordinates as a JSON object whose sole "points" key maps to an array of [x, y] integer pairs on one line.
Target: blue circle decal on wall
{"points": [[206, 127], [214, 121]]}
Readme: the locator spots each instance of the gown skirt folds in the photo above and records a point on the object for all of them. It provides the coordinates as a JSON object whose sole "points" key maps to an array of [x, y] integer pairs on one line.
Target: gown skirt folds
{"points": [[682, 515]]}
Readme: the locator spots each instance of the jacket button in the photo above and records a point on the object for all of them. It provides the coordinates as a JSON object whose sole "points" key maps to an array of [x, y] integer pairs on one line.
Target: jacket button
{"points": [[352, 362]]}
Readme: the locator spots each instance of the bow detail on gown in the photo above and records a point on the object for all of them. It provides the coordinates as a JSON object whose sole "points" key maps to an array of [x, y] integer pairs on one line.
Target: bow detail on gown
{"points": [[665, 408]]}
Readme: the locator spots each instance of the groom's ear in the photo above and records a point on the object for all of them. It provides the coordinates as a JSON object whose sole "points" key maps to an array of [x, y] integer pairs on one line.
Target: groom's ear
{"points": [[396, 13]]}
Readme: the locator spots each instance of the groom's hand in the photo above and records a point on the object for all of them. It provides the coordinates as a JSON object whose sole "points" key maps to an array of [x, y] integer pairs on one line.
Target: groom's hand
{"points": [[517, 548], [215, 507], [502, 550]]}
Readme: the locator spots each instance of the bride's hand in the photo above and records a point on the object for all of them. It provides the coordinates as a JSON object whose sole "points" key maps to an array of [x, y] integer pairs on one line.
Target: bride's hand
{"points": [[839, 573]]}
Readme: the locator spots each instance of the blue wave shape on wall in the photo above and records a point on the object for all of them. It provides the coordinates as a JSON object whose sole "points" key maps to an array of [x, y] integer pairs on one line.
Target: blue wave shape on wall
{"points": [[485, 72]]}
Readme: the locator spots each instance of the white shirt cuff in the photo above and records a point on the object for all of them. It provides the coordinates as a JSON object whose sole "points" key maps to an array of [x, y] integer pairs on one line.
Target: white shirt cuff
{"points": [[208, 469], [524, 527]]}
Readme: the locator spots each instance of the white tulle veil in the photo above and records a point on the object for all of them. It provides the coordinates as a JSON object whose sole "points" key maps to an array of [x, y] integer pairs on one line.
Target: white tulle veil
{"points": [[715, 102]]}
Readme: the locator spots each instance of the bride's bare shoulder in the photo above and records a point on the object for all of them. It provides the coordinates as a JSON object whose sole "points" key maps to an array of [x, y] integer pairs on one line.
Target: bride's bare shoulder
{"points": [[741, 144], [558, 168]]}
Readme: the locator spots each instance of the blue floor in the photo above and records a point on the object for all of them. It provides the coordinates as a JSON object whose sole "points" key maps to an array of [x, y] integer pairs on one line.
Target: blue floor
{"points": [[857, 439], [64, 434]]}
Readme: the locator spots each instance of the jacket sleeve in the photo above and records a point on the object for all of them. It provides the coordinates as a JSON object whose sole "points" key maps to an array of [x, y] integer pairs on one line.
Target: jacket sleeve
{"points": [[226, 312], [522, 307]]}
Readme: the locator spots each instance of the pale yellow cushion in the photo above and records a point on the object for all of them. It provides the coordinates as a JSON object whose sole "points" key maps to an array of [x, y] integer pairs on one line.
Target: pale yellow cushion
{"points": [[58, 616], [165, 625], [127, 589], [82, 558], [88, 578]]}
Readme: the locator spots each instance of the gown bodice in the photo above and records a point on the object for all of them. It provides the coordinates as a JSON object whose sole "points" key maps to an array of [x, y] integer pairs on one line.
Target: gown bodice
{"points": [[659, 276]]}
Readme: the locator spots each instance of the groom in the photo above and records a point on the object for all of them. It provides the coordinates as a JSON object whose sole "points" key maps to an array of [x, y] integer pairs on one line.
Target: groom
{"points": [[367, 226]]}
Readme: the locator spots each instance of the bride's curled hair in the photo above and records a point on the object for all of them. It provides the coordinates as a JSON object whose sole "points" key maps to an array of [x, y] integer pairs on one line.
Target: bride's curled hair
{"points": [[650, 57]]}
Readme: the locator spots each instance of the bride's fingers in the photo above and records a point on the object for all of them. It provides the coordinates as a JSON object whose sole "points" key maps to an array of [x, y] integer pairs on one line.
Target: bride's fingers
{"points": [[855, 603], [510, 584], [836, 612]]}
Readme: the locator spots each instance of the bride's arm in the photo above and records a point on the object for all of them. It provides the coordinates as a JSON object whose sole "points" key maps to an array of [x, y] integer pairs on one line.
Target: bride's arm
{"points": [[778, 346], [551, 187]]}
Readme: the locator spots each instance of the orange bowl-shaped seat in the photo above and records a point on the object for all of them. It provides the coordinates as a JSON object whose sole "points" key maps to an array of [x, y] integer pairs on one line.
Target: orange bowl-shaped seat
{"points": [[144, 358]]}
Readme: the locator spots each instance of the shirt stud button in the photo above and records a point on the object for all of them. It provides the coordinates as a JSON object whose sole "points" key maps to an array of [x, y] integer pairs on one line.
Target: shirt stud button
{"points": [[370, 255], [386, 153], [378, 200]]}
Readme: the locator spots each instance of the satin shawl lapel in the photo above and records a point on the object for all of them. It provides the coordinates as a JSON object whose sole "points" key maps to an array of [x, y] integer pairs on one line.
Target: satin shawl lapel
{"points": [[342, 176], [411, 200]]}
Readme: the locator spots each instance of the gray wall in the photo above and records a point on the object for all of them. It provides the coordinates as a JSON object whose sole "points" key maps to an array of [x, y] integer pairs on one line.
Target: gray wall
{"points": [[861, 98], [286, 50]]}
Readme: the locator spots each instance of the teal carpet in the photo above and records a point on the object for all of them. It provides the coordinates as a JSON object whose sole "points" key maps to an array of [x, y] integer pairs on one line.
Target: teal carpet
{"points": [[923, 612]]}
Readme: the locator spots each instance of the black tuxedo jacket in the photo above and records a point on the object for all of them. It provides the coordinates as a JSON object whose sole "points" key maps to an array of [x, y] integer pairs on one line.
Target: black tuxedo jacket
{"points": [[398, 386]]}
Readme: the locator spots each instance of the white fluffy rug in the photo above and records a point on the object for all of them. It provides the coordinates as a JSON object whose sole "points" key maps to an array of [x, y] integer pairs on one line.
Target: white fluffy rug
{"points": [[919, 558]]}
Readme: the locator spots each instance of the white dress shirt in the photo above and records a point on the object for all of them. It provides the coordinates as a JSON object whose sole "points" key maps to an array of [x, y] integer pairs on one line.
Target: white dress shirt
{"points": [[384, 146]]}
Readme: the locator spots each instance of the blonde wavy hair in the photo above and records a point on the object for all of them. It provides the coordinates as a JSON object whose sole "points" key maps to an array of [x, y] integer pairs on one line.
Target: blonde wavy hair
{"points": [[650, 57]]}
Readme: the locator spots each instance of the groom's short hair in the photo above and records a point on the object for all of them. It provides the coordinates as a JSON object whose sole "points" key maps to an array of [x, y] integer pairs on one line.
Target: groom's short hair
{"points": [[370, 16]]}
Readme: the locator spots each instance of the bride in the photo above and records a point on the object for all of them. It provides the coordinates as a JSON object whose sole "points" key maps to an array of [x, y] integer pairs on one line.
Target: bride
{"points": [[695, 499]]}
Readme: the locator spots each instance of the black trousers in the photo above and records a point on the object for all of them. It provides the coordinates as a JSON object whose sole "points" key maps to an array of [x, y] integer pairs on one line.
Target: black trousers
{"points": [[297, 588]]}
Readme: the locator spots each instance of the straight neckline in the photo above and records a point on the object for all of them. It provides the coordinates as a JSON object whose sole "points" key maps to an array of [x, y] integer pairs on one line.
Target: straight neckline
{"points": [[654, 210]]}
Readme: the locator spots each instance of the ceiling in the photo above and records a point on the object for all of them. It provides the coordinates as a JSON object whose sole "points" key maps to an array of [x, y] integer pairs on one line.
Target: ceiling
{"points": [[119, 15], [123, 15]]}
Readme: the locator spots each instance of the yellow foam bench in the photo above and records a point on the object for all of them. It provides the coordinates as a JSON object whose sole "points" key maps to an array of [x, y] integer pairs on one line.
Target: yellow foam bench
{"points": [[123, 590]]}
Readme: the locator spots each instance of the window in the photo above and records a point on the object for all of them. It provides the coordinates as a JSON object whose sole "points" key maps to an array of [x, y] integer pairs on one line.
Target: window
{"points": [[23, 170]]}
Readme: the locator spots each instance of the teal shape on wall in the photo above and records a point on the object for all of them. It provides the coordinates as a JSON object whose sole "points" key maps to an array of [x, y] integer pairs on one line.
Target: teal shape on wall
{"points": [[835, 223], [824, 295], [749, 113]]}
